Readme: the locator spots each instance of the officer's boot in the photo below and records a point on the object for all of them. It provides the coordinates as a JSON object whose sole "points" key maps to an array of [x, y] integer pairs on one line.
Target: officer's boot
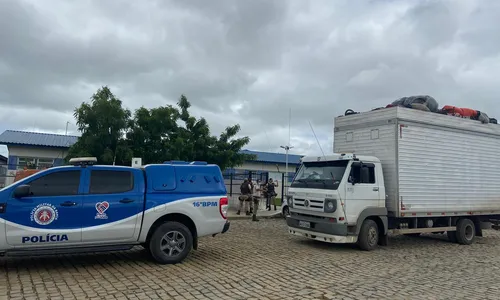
{"points": [[238, 212], [254, 218], [248, 213]]}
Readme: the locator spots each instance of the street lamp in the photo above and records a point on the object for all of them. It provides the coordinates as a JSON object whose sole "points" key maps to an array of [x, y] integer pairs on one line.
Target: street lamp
{"points": [[287, 148]]}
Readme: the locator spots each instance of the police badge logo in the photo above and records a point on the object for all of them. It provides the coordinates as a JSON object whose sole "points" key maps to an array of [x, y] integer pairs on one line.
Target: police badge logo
{"points": [[44, 214], [101, 208]]}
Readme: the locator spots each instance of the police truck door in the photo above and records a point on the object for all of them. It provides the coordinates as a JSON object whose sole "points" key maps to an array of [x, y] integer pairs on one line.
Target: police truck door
{"points": [[51, 215], [112, 204]]}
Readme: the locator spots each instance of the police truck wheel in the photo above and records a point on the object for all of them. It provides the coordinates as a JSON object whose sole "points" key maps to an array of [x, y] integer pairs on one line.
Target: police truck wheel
{"points": [[368, 235], [171, 243], [466, 231]]}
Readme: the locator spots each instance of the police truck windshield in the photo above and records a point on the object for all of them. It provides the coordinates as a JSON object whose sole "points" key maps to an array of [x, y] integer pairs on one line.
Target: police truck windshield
{"points": [[320, 174]]}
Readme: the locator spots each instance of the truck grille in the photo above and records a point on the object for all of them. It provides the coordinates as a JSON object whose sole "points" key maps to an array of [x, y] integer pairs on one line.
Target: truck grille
{"points": [[310, 204]]}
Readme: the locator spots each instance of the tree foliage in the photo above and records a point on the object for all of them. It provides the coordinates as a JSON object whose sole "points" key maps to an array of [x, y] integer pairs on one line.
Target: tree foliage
{"points": [[112, 133]]}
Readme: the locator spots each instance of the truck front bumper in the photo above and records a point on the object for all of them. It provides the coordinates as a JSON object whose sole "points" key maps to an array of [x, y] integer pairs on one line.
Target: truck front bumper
{"points": [[320, 229]]}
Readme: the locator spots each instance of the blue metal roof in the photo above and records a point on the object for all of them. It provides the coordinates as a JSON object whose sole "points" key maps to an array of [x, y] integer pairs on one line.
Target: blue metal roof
{"points": [[277, 158], [13, 137]]}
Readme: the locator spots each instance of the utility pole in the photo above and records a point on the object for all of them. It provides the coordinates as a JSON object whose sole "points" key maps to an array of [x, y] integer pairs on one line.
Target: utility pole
{"points": [[67, 123], [287, 148]]}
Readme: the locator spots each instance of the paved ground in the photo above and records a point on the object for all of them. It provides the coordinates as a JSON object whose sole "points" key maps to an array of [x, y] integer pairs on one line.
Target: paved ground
{"points": [[265, 214], [261, 261]]}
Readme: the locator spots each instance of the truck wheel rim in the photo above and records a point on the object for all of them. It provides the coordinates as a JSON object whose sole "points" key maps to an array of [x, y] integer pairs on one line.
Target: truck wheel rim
{"points": [[469, 233], [372, 236], [173, 243]]}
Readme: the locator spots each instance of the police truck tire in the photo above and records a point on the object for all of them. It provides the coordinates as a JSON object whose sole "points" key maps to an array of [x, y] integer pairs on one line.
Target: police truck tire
{"points": [[170, 243], [368, 235], [466, 231]]}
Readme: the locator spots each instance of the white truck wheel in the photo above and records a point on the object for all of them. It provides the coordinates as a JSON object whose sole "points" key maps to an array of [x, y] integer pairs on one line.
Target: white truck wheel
{"points": [[466, 231], [368, 235], [171, 243]]}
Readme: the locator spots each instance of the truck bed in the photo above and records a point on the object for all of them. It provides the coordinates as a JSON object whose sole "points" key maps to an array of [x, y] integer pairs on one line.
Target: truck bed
{"points": [[433, 164]]}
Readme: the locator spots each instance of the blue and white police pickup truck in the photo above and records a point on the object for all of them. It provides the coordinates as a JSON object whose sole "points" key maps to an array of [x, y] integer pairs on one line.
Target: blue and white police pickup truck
{"points": [[86, 207]]}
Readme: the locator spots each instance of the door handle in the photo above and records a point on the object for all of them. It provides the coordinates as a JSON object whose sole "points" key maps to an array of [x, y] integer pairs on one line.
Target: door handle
{"points": [[127, 200], [375, 189], [68, 203]]}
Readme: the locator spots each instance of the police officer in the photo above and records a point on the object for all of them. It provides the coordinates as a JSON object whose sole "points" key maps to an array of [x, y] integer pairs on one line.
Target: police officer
{"points": [[271, 193], [252, 191], [256, 195], [245, 197]]}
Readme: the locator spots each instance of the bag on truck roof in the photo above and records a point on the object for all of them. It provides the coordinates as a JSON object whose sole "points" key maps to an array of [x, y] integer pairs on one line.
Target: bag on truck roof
{"points": [[420, 106], [483, 117], [470, 113], [452, 111], [425, 100], [493, 121]]}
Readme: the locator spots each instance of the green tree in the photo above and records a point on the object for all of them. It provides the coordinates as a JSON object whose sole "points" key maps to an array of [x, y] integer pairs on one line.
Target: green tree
{"points": [[110, 133], [171, 133], [103, 123]]}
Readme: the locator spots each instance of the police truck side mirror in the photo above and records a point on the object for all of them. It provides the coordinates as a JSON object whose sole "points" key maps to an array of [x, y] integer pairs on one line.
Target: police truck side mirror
{"points": [[22, 191]]}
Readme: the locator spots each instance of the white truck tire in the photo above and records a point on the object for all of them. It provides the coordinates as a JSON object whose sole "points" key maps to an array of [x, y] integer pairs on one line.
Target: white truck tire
{"points": [[368, 235]]}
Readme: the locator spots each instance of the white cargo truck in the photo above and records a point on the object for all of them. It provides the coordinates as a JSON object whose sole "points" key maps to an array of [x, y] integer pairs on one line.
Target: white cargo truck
{"points": [[402, 171]]}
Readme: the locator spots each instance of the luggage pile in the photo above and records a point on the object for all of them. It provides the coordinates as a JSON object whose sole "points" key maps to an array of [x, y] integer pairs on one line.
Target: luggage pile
{"points": [[429, 104]]}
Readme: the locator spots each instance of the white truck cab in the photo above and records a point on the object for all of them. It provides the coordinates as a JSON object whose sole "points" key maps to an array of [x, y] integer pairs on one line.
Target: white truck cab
{"points": [[332, 196]]}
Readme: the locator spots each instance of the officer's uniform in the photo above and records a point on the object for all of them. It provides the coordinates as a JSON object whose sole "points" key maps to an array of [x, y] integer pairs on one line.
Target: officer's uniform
{"points": [[245, 197], [256, 193]]}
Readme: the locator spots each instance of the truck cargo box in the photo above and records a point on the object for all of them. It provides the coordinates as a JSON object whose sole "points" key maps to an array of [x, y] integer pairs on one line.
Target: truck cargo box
{"points": [[433, 164]]}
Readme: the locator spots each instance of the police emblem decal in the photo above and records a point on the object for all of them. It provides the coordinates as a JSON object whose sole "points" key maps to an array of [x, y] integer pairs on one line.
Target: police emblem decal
{"points": [[101, 208], [44, 214]]}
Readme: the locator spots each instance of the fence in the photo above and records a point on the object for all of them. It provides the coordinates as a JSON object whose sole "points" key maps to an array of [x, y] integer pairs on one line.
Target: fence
{"points": [[233, 182]]}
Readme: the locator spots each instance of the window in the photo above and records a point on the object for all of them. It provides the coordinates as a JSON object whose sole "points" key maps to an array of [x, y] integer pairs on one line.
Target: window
{"points": [[111, 182], [364, 174], [28, 162], [45, 163], [62, 183], [320, 174], [34, 163]]}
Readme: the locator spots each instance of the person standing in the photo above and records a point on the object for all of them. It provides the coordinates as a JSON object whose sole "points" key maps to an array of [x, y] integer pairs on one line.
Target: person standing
{"points": [[271, 193], [256, 195], [252, 191], [245, 197]]}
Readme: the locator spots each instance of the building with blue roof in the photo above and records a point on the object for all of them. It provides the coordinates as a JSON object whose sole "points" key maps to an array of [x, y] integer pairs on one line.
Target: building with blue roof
{"points": [[34, 148], [45, 150]]}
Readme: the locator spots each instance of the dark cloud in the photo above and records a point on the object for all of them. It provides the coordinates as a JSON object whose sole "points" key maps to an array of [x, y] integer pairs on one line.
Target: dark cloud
{"points": [[245, 62]]}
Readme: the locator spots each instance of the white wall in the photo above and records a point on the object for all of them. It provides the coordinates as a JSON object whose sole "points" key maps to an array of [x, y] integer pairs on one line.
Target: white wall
{"points": [[36, 152], [42, 152]]}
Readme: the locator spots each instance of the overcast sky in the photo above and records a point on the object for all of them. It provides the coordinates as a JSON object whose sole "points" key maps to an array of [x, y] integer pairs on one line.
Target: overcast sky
{"points": [[246, 62]]}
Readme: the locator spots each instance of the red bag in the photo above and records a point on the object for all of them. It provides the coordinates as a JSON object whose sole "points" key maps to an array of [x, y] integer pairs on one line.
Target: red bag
{"points": [[453, 111], [469, 113]]}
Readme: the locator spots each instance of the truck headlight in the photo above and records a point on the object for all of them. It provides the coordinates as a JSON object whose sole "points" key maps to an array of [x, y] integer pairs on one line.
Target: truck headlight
{"points": [[289, 201], [330, 205]]}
